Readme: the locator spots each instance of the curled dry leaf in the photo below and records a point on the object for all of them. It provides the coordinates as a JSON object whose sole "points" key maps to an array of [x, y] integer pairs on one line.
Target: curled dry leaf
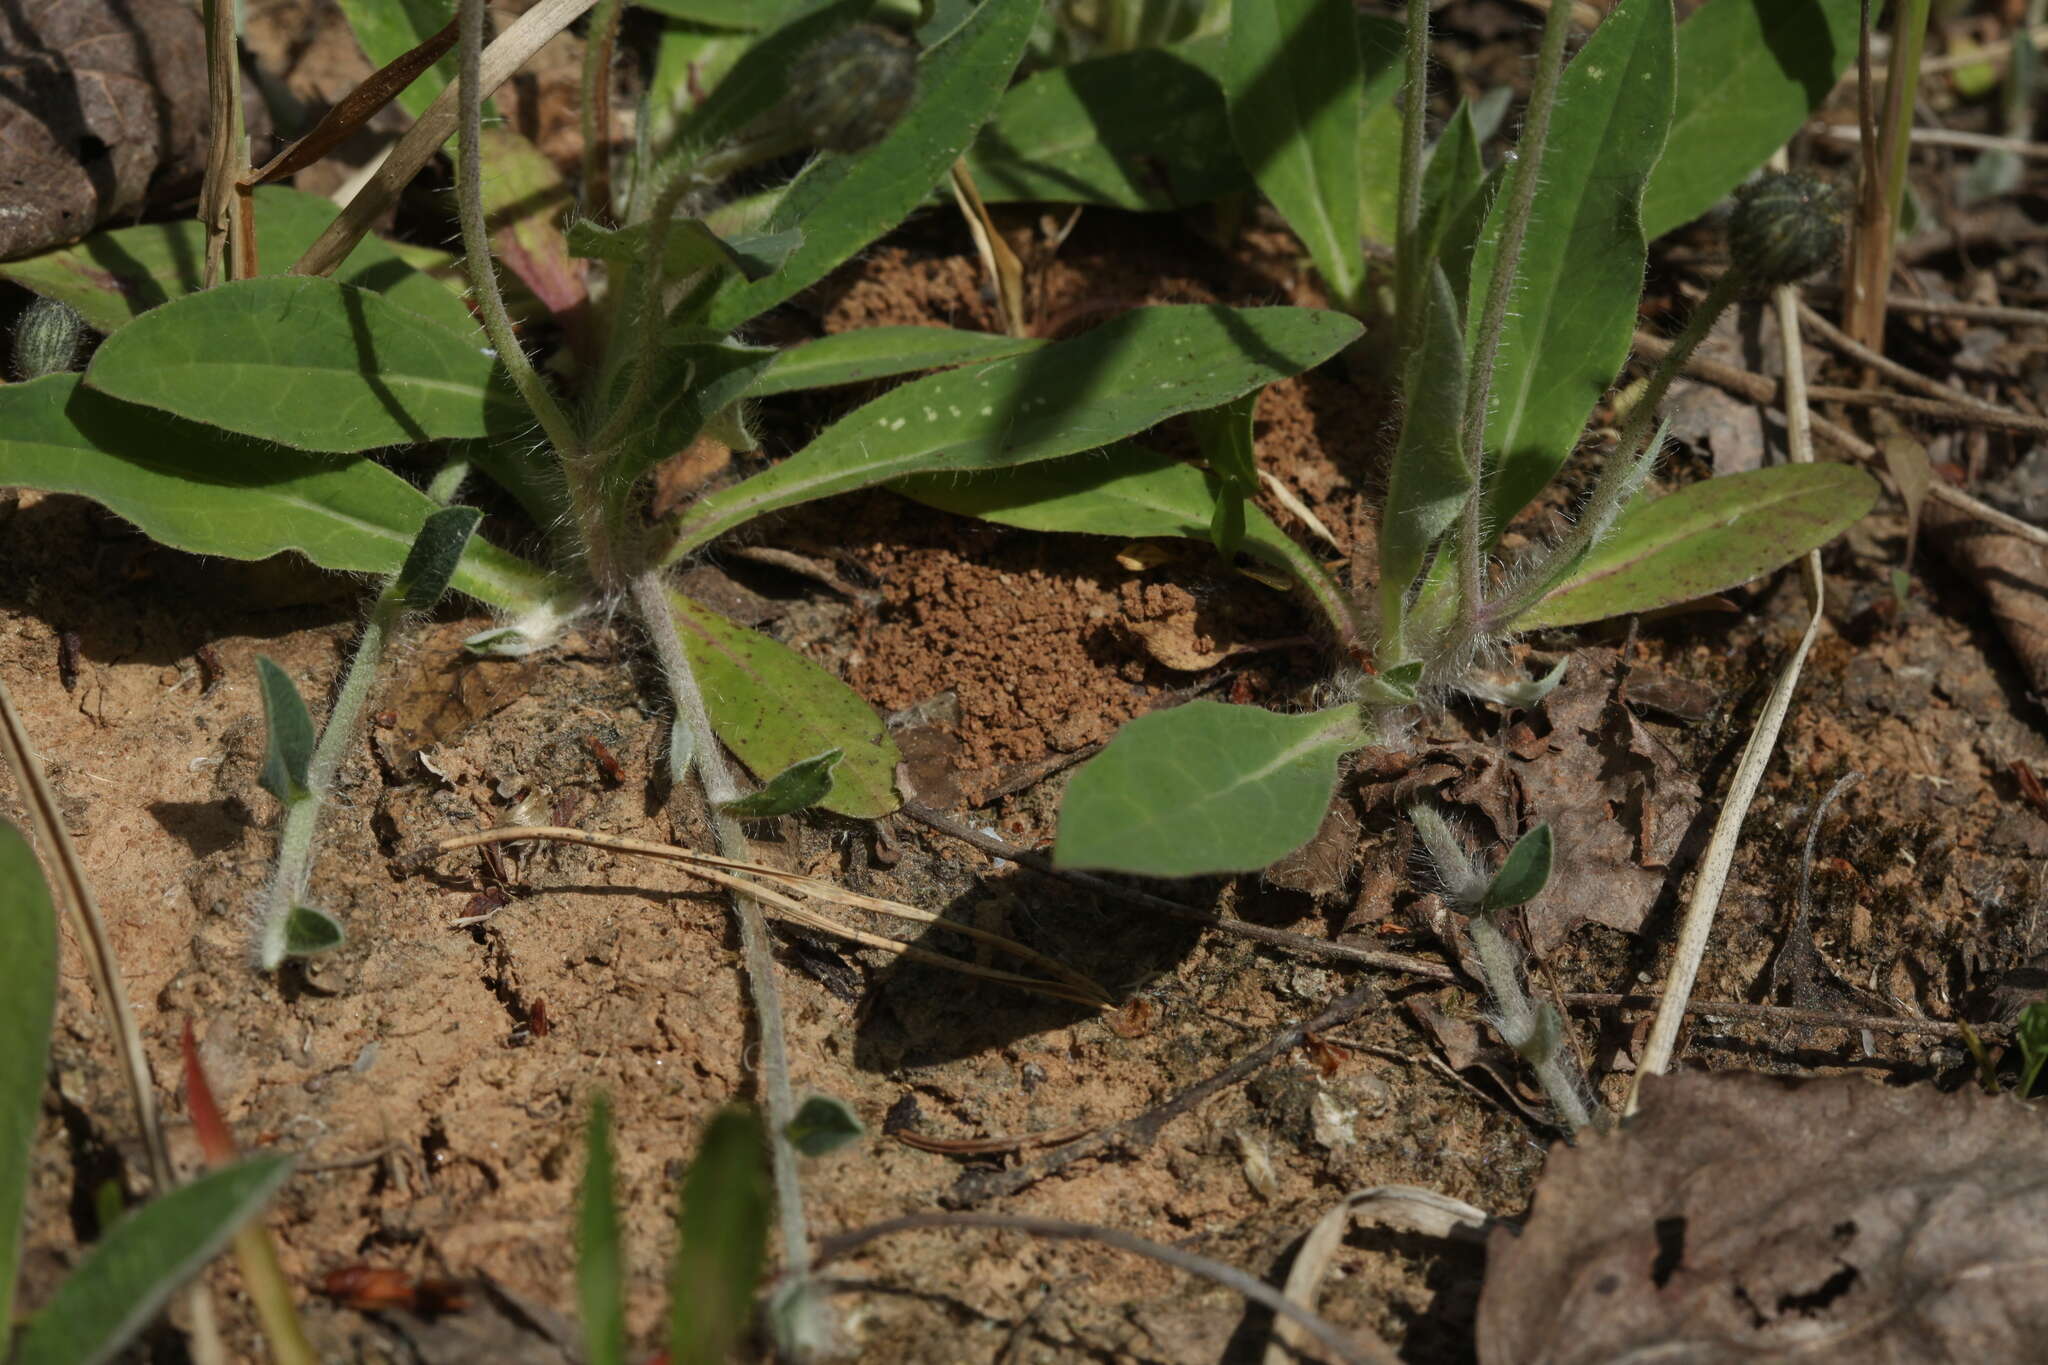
{"points": [[102, 106], [1741, 1218]]}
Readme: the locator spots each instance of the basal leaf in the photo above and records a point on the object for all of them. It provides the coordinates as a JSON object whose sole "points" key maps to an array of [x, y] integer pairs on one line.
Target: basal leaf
{"points": [[723, 1240], [113, 276], [1749, 74], [689, 247], [600, 1252], [288, 727], [1294, 88], [1451, 182], [146, 1255], [879, 353], [28, 1002], [200, 490], [1204, 788], [1574, 309], [430, 564], [842, 201], [308, 931], [1121, 378], [1428, 480], [1708, 537], [773, 707], [800, 786], [307, 363], [1523, 873]]}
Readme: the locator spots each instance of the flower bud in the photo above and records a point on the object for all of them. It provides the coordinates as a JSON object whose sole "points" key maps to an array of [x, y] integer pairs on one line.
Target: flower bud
{"points": [[1786, 226], [848, 90], [47, 339]]}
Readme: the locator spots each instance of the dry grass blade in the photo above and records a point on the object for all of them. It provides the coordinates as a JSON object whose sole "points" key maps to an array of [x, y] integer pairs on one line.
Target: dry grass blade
{"points": [[760, 881], [356, 108], [1004, 269], [227, 155]]}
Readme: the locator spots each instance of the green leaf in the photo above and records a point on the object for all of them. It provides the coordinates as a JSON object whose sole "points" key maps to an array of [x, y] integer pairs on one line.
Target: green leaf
{"points": [[1121, 378], [1142, 130], [1523, 873], [1428, 480], [600, 1253], [800, 786], [289, 727], [1294, 89], [773, 707], [880, 353], [689, 247], [1123, 490], [842, 202], [113, 276], [308, 931], [723, 1240], [388, 29], [435, 552], [1225, 435], [28, 1003], [695, 381], [1749, 74], [1706, 538], [127, 1276], [1574, 309], [1204, 788], [1451, 186], [745, 15], [196, 489], [822, 1125], [307, 363]]}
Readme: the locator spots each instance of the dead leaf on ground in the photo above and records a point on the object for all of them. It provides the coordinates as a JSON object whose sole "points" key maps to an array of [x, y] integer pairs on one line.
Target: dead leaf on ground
{"points": [[1741, 1218], [442, 689], [102, 105]]}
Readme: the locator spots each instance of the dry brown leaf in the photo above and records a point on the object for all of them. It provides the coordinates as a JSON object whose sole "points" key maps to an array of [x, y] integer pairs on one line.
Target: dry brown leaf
{"points": [[102, 106], [1745, 1218]]}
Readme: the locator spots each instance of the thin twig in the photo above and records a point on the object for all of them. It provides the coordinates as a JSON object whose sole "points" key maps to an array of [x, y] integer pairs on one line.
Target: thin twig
{"points": [[1891, 369], [1940, 409], [1949, 137], [1354, 1347], [1780, 1014]]}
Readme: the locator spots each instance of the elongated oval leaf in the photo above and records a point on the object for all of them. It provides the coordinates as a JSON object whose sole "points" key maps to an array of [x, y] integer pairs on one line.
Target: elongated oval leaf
{"points": [[773, 707], [1119, 379], [689, 247], [1523, 873], [28, 1002], [1450, 183], [842, 202], [800, 786], [288, 727], [1294, 88], [430, 564], [879, 353], [113, 276], [1574, 308], [1708, 537], [600, 1252], [123, 1280], [1204, 788], [307, 363], [197, 489], [723, 1241], [1428, 480], [1749, 73]]}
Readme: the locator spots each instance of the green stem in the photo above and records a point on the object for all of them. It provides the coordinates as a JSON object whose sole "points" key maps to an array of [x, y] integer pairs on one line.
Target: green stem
{"points": [[599, 42], [1339, 607], [1500, 289], [1414, 117], [1521, 1024]]}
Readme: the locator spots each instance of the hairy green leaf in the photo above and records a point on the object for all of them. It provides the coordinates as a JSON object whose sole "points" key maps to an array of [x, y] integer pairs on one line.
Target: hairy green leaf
{"points": [[307, 363], [822, 1125], [197, 489], [289, 727], [1204, 788], [689, 247], [842, 201], [308, 931], [113, 276], [1428, 479], [1451, 185], [773, 707], [880, 353], [1749, 74], [600, 1250], [1119, 379], [1574, 309], [723, 1241], [800, 786], [430, 564], [126, 1277], [28, 1002], [1708, 537], [1523, 873]]}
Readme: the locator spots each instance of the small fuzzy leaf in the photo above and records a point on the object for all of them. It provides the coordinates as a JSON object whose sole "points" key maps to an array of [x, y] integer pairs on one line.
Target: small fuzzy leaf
{"points": [[600, 1254], [1451, 187], [430, 564], [823, 1125], [308, 931], [146, 1255], [880, 353], [1523, 874], [689, 247], [28, 1002], [723, 1241], [800, 786], [1706, 538], [1204, 788], [290, 728], [307, 363]]}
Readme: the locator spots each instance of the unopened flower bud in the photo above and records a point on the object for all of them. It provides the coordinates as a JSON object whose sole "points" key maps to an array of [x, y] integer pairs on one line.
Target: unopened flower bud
{"points": [[47, 339], [848, 90], [1786, 226]]}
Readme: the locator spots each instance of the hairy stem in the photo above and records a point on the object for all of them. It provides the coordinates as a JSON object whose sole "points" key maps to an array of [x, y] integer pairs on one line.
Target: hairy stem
{"points": [[1414, 117], [650, 599], [1520, 1021], [1500, 290], [596, 113], [645, 325]]}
